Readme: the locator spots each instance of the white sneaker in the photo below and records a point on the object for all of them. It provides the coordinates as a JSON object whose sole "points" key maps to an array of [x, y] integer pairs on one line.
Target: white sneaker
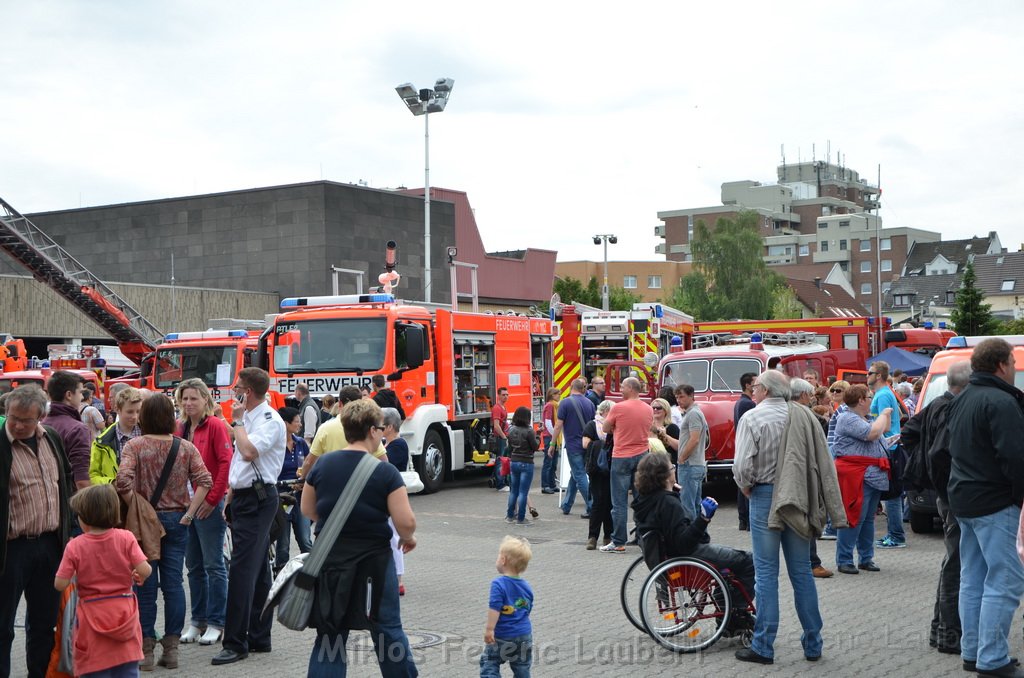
{"points": [[505, 489], [211, 636], [192, 635]]}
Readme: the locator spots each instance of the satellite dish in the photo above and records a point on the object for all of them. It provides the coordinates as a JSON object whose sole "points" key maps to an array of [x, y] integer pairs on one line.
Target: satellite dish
{"points": [[651, 359]]}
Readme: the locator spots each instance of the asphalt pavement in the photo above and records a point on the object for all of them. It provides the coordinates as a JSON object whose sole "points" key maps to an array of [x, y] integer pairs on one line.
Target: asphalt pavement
{"points": [[876, 624]]}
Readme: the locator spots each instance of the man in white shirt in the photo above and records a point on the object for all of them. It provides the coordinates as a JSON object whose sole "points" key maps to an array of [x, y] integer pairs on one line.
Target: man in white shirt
{"points": [[252, 498]]}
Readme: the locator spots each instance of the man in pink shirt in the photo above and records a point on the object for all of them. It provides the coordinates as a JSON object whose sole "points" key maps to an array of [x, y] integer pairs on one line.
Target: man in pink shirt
{"points": [[630, 421]]}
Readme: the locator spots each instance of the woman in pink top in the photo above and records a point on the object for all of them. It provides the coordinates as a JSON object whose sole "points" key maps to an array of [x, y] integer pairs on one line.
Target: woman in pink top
{"points": [[142, 463], [204, 553], [104, 562]]}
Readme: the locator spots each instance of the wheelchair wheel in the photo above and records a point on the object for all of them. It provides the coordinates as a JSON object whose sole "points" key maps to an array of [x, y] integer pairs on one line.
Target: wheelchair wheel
{"points": [[684, 605], [629, 592]]}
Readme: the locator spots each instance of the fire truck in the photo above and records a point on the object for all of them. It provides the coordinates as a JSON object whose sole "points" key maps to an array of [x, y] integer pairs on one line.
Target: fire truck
{"points": [[591, 342], [927, 340], [85, 361], [714, 368], [444, 365]]}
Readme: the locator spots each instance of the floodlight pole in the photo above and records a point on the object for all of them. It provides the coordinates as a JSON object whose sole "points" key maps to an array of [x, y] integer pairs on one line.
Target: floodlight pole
{"points": [[604, 288], [426, 203]]}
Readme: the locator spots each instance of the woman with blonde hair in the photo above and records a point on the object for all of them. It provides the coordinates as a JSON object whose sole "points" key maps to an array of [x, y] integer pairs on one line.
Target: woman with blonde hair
{"points": [[664, 433], [204, 551]]}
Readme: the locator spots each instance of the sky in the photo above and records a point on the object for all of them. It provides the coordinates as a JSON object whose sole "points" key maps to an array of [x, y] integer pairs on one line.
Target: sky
{"points": [[567, 119]]}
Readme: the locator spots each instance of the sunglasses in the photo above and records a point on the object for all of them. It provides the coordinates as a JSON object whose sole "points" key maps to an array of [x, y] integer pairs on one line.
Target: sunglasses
{"points": [[835, 390], [659, 408]]}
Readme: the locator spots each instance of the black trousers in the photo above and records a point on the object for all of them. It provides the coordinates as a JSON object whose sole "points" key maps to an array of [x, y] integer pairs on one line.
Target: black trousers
{"points": [[743, 507], [249, 577], [945, 631], [31, 566], [601, 506]]}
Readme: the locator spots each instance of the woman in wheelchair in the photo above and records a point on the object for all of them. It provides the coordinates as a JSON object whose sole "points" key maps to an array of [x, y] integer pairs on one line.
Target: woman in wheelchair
{"points": [[664, 531]]}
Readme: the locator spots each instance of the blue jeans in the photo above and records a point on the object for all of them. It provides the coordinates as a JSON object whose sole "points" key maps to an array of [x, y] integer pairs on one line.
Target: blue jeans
{"points": [[207, 573], [797, 552], [691, 480], [394, 655], [622, 471], [518, 652], [894, 518], [168, 576], [500, 450], [863, 535], [300, 525], [520, 478], [577, 479], [991, 585], [548, 471]]}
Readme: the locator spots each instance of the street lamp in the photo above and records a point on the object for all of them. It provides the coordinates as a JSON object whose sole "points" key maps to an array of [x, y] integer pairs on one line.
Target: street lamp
{"points": [[424, 102], [598, 239]]}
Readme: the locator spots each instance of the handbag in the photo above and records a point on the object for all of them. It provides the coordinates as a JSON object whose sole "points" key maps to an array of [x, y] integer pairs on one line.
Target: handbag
{"points": [[293, 590], [506, 466], [139, 513], [413, 483]]}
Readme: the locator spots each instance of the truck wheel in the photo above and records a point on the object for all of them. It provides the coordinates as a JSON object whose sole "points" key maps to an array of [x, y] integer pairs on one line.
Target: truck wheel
{"points": [[431, 464], [921, 523]]}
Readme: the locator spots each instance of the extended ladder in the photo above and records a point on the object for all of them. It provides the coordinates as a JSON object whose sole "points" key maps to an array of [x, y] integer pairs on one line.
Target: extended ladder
{"points": [[51, 264]]}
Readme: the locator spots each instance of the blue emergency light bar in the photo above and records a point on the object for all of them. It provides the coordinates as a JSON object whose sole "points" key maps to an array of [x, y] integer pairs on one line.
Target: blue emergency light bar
{"points": [[337, 300], [215, 334]]}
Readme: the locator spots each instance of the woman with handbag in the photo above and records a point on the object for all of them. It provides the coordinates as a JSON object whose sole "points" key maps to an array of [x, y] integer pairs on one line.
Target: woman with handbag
{"points": [[522, 444], [599, 445], [862, 466], [359, 573], [204, 552], [159, 466]]}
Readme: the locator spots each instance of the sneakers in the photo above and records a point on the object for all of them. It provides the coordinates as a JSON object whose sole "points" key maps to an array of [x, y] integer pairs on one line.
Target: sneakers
{"points": [[193, 634], [592, 544], [509, 519], [505, 488], [212, 636], [887, 542], [828, 536], [548, 490], [523, 523], [610, 547]]}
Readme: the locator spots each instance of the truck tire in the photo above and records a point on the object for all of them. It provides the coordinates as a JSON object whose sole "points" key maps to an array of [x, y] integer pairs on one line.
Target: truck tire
{"points": [[432, 463], [921, 523]]}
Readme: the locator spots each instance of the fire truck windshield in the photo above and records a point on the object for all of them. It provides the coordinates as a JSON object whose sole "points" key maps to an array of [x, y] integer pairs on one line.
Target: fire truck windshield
{"points": [[720, 374], [174, 365], [334, 345], [11, 384]]}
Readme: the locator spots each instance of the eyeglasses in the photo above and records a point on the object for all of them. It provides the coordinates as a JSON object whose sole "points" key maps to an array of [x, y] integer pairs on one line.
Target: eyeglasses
{"points": [[870, 373], [379, 427], [835, 390], [19, 421], [757, 386]]}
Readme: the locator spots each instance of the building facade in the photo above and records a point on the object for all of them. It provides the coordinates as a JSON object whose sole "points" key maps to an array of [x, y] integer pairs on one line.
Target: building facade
{"points": [[650, 280]]}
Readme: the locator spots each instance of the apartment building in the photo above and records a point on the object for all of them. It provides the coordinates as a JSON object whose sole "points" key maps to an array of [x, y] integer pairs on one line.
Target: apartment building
{"points": [[651, 280]]}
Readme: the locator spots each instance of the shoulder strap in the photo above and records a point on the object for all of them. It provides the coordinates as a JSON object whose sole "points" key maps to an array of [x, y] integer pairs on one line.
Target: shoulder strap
{"points": [[579, 412], [166, 473], [339, 515]]}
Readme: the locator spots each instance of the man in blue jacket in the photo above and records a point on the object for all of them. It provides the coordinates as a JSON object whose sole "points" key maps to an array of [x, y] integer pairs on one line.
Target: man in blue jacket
{"points": [[986, 488]]}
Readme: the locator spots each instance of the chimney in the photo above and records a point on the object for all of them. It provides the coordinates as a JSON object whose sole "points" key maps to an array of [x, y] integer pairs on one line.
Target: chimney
{"points": [[817, 281]]}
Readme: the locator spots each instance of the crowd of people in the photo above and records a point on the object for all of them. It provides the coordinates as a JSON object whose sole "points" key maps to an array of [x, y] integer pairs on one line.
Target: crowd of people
{"points": [[119, 508]]}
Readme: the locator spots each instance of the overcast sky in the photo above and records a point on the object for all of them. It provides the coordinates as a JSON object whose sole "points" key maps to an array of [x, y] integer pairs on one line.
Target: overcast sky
{"points": [[567, 118]]}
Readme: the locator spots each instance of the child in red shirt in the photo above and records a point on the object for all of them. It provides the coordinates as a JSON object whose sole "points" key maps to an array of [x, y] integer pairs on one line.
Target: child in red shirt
{"points": [[104, 561]]}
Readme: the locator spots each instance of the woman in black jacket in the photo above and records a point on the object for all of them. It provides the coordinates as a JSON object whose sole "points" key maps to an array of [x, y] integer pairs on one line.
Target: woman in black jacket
{"points": [[657, 510]]}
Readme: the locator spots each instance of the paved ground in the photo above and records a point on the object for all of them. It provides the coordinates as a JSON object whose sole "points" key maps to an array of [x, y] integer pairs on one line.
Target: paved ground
{"points": [[875, 624]]}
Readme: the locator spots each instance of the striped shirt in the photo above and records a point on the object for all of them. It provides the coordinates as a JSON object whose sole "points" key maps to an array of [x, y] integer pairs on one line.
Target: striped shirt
{"points": [[832, 427], [35, 488], [757, 443]]}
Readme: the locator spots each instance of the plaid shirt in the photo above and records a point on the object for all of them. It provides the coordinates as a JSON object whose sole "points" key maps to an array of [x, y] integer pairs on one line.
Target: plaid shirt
{"points": [[757, 443]]}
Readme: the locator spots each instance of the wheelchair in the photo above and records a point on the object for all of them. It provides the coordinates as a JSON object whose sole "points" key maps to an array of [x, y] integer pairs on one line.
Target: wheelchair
{"points": [[685, 604]]}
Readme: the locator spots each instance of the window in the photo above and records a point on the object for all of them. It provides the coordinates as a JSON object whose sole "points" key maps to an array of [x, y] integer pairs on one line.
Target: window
{"points": [[885, 244], [824, 246], [845, 223], [842, 244], [950, 298], [865, 288], [1007, 286], [629, 282], [822, 224], [865, 267], [901, 300], [886, 264], [780, 250], [844, 266], [654, 282], [865, 245], [805, 250]]}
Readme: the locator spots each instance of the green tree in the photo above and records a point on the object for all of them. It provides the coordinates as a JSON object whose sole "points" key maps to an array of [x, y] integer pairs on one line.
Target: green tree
{"points": [[785, 304], [1011, 327], [570, 289], [730, 279], [970, 315]]}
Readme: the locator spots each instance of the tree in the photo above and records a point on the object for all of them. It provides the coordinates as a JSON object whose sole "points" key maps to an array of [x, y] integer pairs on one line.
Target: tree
{"points": [[730, 279], [785, 304], [970, 315], [1011, 327]]}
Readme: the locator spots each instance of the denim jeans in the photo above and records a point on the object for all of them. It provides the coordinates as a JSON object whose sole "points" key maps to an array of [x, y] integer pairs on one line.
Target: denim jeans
{"points": [[991, 585], [577, 480], [207, 572], [863, 535], [894, 518], [394, 655], [168, 576], [548, 472], [797, 552], [622, 472], [520, 479], [300, 525], [691, 480], [518, 652]]}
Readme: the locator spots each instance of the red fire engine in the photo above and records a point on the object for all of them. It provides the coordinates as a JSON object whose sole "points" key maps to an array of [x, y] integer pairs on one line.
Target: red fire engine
{"points": [[85, 361], [444, 365]]}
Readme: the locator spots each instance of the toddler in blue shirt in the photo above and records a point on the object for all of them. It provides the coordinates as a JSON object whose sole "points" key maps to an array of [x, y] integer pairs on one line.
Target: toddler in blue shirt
{"points": [[508, 634]]}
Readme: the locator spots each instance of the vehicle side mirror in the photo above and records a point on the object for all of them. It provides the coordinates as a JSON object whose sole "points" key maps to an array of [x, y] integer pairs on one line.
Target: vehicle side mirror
{"points": [[414, 349]]}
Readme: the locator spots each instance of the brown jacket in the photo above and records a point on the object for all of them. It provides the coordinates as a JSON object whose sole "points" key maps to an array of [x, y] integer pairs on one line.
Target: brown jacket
{"points": [[141, 520]]}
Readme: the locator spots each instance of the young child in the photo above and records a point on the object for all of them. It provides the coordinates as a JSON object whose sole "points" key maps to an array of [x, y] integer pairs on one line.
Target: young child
{"points": [[104, 562], [508, 634]]}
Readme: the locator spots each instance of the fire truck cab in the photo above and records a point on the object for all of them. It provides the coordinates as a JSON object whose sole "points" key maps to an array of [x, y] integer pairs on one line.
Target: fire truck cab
{"points": [[445, 366], [714, 369]]}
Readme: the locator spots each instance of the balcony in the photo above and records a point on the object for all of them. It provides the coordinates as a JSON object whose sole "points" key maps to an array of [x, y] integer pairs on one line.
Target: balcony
{"points": [[660, 248], [659, 231]]}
